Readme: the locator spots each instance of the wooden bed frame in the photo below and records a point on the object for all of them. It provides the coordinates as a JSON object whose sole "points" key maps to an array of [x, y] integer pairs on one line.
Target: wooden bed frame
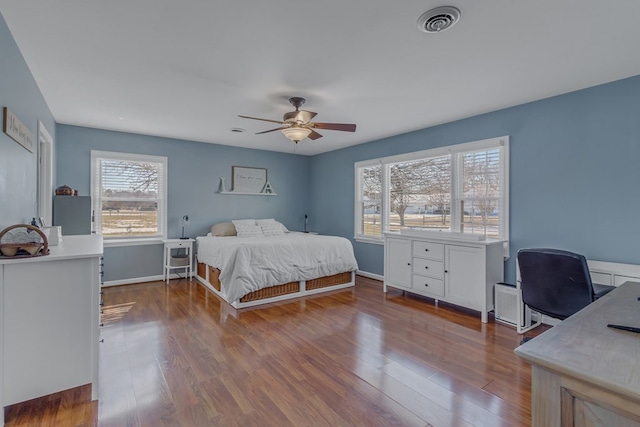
{"points": [[210, 277]]}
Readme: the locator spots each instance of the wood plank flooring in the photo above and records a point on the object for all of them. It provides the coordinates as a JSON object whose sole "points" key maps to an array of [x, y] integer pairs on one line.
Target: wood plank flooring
{"points": [[175, 355]]}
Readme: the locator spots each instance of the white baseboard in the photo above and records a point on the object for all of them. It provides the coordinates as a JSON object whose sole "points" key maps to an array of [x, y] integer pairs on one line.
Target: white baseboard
{"points": [[140, 280], [370, 275]]}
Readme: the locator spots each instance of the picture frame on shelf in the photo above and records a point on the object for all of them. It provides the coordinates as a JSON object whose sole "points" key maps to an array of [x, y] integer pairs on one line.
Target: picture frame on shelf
{"points": [[248, 179]]}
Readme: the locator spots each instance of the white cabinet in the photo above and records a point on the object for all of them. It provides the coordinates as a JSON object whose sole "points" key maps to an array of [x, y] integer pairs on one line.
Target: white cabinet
{"points": [[450, 270], [50, 311]]}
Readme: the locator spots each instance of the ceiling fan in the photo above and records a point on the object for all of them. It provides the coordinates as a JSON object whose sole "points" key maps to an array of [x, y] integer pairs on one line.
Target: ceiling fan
{"points": [[297, 125]]}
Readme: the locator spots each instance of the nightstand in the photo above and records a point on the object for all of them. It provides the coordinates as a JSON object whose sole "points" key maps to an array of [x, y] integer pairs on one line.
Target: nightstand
{"points": [[178, 254]]}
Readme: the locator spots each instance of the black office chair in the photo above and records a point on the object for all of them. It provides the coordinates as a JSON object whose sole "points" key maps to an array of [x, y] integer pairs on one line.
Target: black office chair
{"points": [[556, 283]]}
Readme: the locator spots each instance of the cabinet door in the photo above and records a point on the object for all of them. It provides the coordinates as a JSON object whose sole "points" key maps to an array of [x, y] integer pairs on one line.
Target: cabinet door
{"points": [[398, 262], [465, 276]]}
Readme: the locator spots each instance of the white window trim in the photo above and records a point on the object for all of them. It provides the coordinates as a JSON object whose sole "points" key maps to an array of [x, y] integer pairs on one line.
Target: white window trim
{"points": [[434, 152], [162, 212]]}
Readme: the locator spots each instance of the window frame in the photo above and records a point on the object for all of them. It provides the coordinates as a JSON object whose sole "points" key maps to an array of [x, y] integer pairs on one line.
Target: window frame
{"points": [[96, 185], [456, 183]]}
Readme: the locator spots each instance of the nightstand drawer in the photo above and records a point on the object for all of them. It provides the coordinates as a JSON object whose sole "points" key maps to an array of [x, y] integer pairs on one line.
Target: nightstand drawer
{"points": [[177, 245], [428, 250], [428, 267], [428, 284]]}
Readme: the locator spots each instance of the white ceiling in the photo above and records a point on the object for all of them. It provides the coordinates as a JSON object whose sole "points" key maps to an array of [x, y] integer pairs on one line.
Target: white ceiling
{"points": [[186, 68]]}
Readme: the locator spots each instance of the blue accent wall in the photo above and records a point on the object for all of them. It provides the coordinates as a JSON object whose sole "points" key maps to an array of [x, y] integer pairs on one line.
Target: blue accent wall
{"points": [[574, 174], [18, 167], [194, 172]]}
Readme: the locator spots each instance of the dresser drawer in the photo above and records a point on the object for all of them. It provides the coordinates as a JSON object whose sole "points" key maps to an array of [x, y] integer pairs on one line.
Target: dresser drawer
{"points": [[428, 250], [428, 267], [429, 285]]}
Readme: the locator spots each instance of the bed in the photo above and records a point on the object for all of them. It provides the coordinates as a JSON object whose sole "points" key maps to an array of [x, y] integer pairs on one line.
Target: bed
{"points": [[250, 263]]}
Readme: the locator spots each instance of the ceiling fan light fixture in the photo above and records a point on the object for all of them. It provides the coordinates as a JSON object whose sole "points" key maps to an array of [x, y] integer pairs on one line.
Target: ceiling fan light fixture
{"points": [[296, 133]]}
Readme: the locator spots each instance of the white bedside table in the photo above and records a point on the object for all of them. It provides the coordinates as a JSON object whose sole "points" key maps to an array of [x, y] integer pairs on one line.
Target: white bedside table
{"points": [[171, 261]]}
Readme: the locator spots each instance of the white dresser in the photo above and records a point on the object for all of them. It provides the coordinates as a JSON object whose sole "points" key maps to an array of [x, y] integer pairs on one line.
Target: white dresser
{"points": [[456, 271], [50, 329]]}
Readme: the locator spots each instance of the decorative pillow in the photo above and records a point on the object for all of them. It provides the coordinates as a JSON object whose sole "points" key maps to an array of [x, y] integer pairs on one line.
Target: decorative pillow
{"points": [[249, 231], [284, 229], [238, 222], [265, 221], [223, 229], [272, 229]]}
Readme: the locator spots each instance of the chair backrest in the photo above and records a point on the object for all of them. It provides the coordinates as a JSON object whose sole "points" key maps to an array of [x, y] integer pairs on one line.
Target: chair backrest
{"points": [[554, 282]]}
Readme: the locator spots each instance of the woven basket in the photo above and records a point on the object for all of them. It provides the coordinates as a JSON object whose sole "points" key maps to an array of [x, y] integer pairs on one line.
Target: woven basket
{"points": [[323, 282], [26, 249], [272, 291]]}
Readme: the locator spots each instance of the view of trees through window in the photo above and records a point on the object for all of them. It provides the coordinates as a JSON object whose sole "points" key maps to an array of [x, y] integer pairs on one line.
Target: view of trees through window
{"points": [[129, 195], [481, 196], [420, 194], [459, 192]]}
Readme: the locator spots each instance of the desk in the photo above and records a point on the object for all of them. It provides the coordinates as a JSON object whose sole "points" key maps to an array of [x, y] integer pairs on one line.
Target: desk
{"points": [[172, 262], [585, 374]]}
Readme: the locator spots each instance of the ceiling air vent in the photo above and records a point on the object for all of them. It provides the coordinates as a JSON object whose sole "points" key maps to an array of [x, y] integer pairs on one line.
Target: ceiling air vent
{"points": [[438, 19]]}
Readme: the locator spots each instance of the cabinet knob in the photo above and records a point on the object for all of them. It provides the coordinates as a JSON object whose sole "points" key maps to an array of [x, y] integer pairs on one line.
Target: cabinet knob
{"points": [[446, 271], [408, 263], [426, 284], [426, 267], [426, 250], [102, 340]]}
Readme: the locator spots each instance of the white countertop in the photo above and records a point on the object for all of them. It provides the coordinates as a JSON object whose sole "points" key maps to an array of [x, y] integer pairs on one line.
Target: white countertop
{"points": [[71, 247]]}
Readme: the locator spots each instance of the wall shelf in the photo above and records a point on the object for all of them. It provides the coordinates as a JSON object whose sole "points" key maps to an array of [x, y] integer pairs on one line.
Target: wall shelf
{"points": [[267, 190], [240, 193]]}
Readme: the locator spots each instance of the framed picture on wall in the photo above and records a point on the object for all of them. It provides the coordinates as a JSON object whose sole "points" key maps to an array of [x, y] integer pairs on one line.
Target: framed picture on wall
{"points": [[248, 180], [13, 127]]}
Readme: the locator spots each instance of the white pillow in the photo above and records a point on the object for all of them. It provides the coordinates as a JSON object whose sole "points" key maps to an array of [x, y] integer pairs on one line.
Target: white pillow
{"points": [[249, 231], [265, 221], [284, 229], [238, 222], [272, 229]]}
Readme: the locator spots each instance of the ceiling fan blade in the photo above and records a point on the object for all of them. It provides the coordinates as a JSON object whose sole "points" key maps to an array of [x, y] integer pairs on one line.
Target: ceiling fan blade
{"points": [[264, 120], [271, 130], [314, 135], [334, 126], [304, 116]]}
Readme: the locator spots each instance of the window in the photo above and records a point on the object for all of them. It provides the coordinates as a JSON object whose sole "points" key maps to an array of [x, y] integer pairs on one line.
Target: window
{"points": [[129, 195], [461, 188]]}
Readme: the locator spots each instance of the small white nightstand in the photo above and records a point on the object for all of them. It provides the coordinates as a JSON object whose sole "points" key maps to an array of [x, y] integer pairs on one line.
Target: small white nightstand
{"points": [[174, 261]]}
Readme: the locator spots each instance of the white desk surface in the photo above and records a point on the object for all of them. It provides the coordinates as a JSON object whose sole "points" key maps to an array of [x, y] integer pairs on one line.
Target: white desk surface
{"points": [[584, 348], [71, 247]]}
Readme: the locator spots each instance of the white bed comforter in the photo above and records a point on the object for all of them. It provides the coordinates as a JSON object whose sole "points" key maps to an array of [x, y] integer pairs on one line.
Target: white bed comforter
{"points": [[250, 263]]}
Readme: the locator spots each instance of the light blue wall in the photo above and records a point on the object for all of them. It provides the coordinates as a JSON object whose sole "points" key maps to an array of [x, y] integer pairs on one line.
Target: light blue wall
{"points": [[575, 172], [18, 167], [194, 172]]}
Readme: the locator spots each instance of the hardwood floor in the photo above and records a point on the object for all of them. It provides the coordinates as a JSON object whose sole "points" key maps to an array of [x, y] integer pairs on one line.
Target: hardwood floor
{"points": [[175, 355]]}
